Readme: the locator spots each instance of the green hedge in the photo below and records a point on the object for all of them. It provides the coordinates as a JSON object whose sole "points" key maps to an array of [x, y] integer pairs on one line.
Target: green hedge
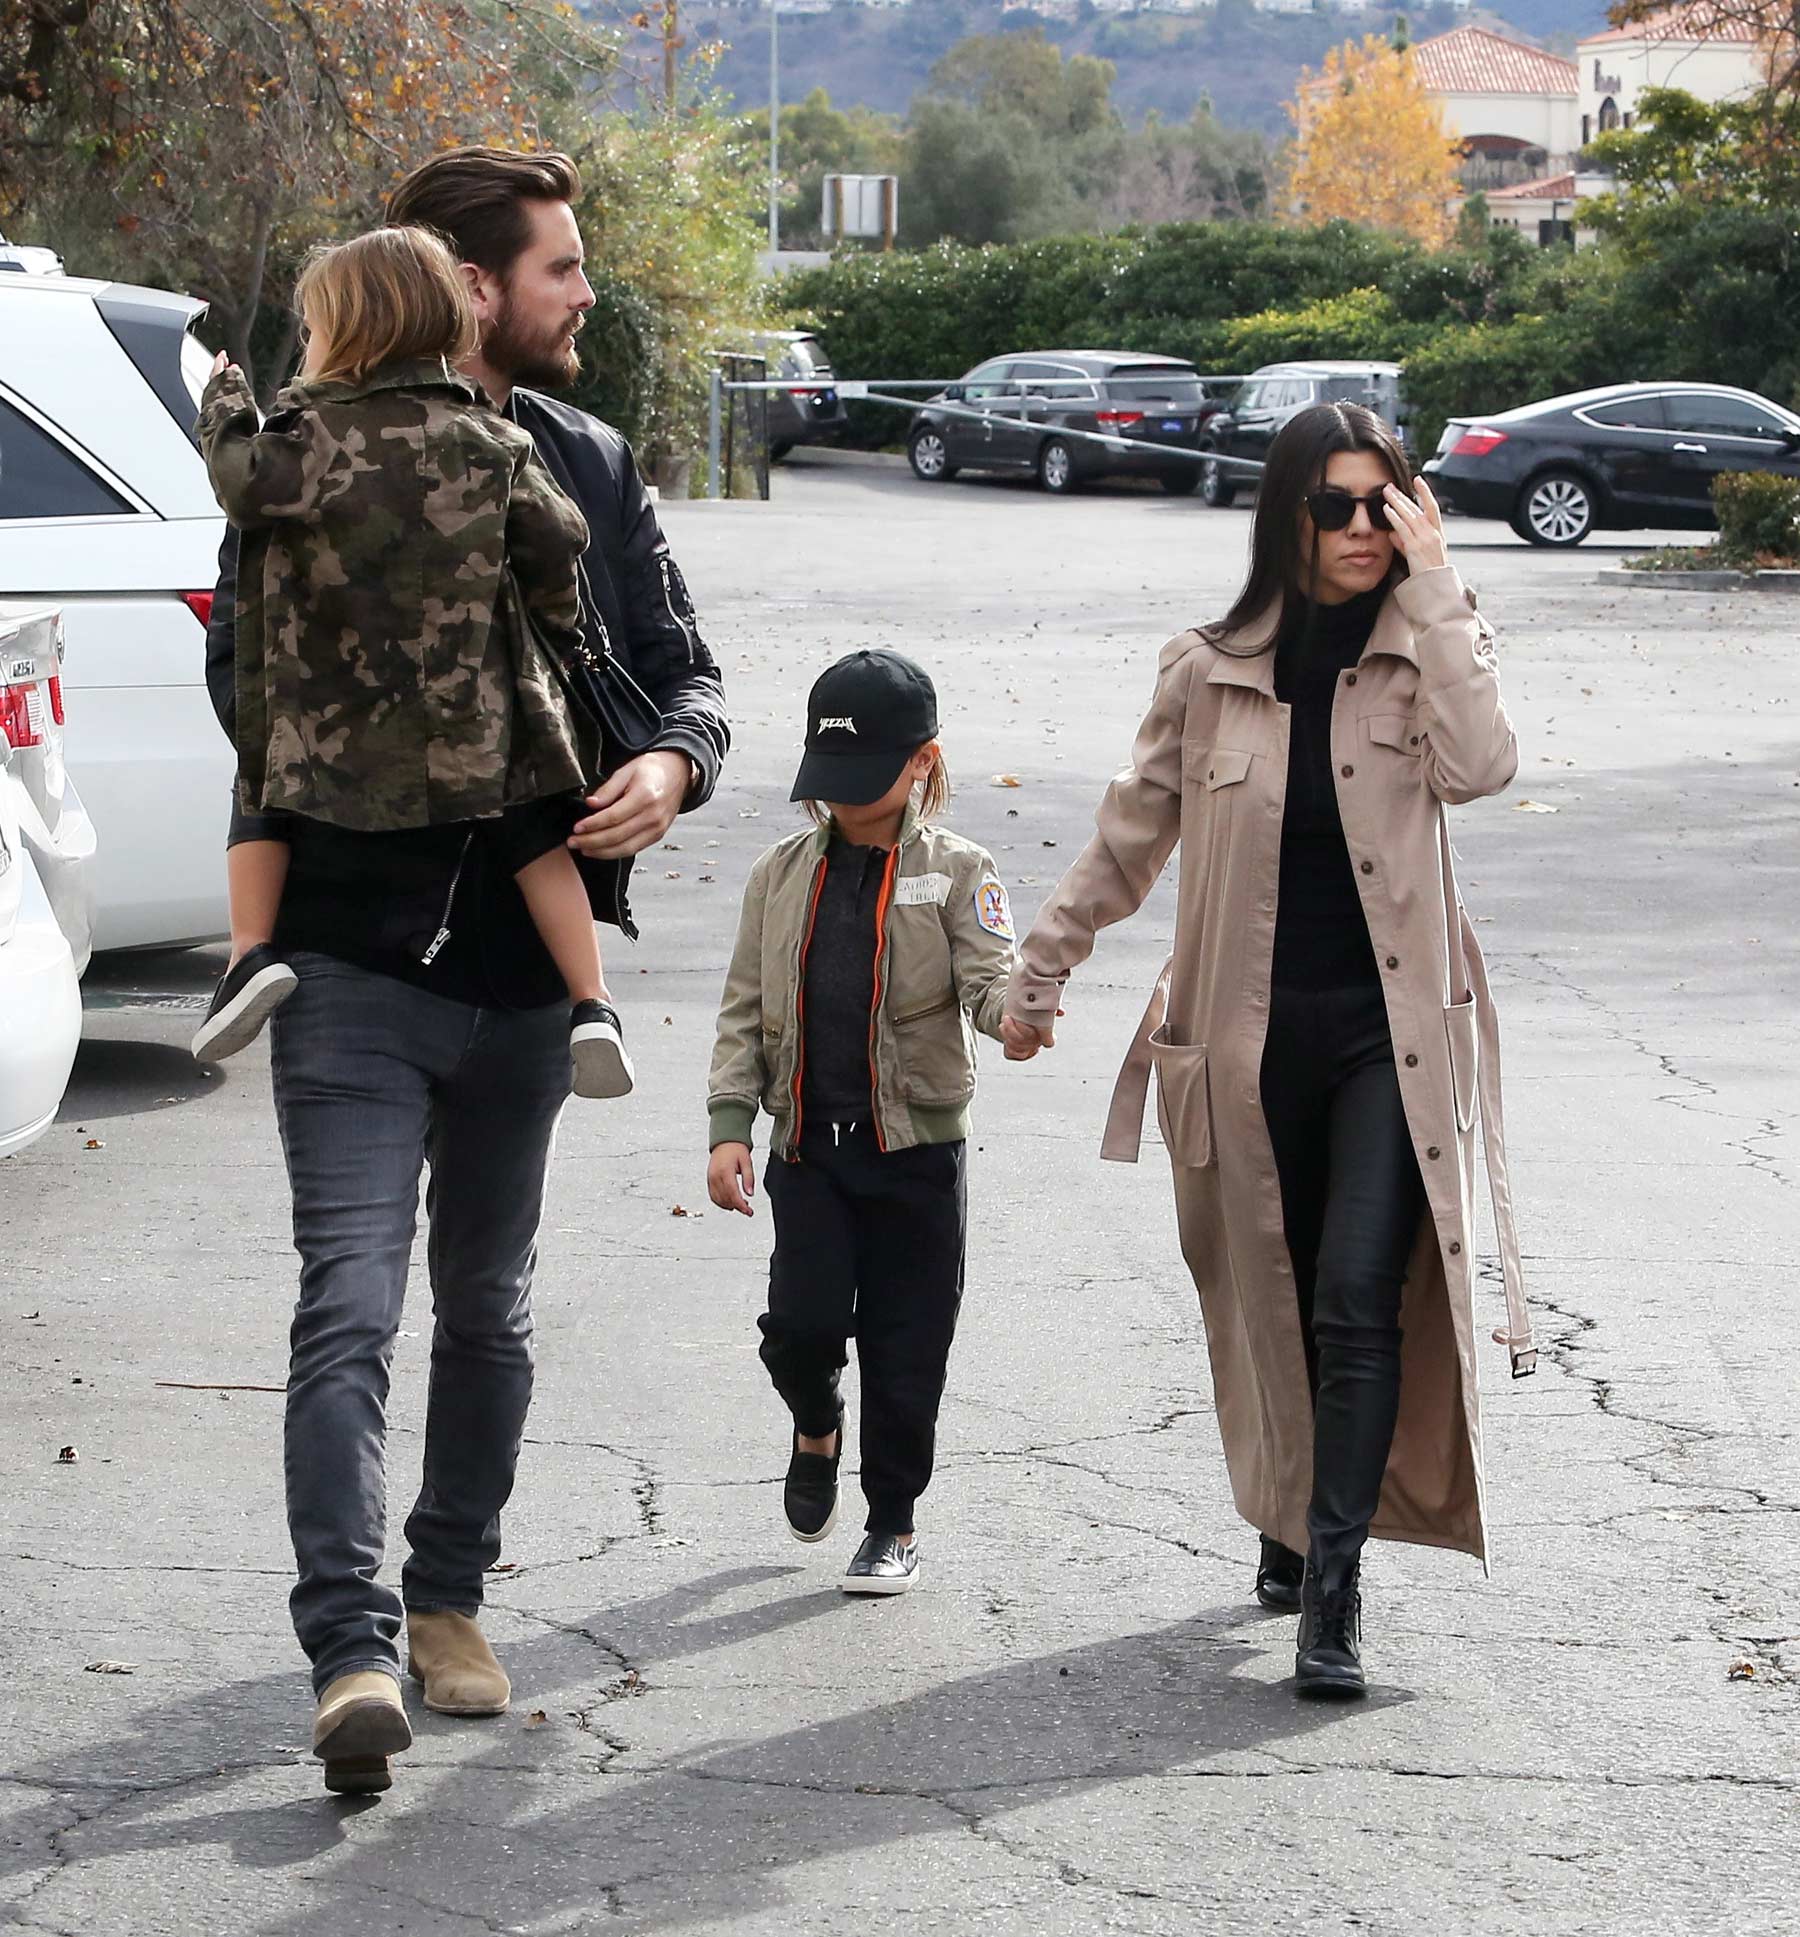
{"points": [[1759, 517], [1696, 293]]}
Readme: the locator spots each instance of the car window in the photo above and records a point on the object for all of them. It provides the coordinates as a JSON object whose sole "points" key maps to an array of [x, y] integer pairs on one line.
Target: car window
{"points": [[39, 479], [1629, 413], [1036, 377], [1277, 395], [1173, 388], [1723, 416], [992, 380], [806, 358], [1250, 396]]}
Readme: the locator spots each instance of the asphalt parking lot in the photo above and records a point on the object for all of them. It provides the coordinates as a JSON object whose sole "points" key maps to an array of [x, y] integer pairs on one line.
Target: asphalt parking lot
{"points": [[1078, 1723]]}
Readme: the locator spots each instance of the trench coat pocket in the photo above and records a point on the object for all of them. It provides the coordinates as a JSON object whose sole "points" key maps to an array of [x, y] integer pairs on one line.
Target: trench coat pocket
{"points": [[1182, 1106], [1215, 767], [1395, 730], [1461, 1026]]}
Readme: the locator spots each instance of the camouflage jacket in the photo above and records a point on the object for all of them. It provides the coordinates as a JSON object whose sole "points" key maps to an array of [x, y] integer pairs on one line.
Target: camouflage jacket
{"points": [[385, 675]]}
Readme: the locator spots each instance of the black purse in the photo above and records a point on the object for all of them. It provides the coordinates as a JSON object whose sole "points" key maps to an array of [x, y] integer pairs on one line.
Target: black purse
{"points": [[599, 690]]}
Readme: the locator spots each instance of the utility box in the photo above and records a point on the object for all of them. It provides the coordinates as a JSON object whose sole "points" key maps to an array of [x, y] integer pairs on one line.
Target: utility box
{"points": [[863, 206]]}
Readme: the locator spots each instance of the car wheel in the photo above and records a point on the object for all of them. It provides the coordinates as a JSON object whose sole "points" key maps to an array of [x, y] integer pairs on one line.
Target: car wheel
{"points": [[1556, 508], [1183, 483], [778, 451], [1056, 467], [930, 455], [1216, 489]]}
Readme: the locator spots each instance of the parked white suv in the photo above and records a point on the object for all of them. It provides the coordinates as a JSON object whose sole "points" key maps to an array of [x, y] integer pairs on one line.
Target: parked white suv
{"points": [[46, 885], [106, 512]]}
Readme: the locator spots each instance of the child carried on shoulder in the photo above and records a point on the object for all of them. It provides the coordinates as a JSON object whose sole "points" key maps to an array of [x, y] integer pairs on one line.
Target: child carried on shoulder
{"points": [[408, 596]]}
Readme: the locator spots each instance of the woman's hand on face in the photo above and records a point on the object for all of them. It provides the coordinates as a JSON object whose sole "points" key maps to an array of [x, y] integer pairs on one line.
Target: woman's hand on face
{"points": [[1418, 528]]}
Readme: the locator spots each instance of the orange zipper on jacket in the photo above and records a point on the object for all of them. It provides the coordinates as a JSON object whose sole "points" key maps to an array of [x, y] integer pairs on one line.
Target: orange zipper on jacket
{"points": [[812, 921], [882, 903]]}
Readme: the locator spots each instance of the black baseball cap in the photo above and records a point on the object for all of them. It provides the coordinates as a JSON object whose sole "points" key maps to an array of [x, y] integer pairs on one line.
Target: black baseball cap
{"points": [[865, 718]]}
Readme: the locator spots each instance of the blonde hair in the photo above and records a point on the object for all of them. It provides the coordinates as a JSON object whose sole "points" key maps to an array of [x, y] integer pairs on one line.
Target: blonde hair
{"points": [[394, 295], [931, 795]]}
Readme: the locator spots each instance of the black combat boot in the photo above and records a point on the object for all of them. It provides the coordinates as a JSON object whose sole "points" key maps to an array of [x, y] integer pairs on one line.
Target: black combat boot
{"points": [[1328, 1655], [1278, 1576]]}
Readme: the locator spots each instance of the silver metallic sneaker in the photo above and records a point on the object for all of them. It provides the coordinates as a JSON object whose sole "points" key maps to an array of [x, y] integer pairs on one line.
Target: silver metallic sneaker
{"points": [[883, 1566]]}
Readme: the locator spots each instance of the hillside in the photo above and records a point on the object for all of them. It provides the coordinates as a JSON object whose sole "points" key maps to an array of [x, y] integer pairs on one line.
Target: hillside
{"points": [[1246, 61]]}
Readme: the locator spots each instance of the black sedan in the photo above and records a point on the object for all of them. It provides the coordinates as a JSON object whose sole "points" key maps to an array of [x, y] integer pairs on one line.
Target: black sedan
{"points": [[1630, 457], [1014, 413]]}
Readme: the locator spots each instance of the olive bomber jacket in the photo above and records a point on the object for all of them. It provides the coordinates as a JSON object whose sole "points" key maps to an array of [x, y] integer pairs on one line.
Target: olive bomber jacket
{"points": [[942, 961]]}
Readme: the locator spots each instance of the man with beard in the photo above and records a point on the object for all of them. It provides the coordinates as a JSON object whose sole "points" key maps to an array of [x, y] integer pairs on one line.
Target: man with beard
{"points": [[430, 1026]]}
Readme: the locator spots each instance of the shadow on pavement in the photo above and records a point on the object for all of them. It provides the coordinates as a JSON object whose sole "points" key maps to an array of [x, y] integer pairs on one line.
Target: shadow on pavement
{"points": [[116, 1078], [525, 1839]]}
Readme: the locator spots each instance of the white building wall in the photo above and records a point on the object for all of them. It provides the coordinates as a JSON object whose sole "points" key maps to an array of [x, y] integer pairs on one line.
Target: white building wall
{"points": [[1620, 72], [1547, 121]]}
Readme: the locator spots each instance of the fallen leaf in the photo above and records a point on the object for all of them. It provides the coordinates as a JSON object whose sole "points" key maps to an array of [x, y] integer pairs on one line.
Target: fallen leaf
{"points": [[668, 1022], [1741, 1671], [674, 874], [1012, 813], [94, 1143], [110, 1668], [1534, 807], [680, 1210], [503, 1567], [536, 1719], [1049, 844], [68, 1456], [1007, 780]]}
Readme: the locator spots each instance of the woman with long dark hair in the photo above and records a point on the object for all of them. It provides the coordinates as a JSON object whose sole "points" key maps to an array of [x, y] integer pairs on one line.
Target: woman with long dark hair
{"points": [[1323, 1037]]}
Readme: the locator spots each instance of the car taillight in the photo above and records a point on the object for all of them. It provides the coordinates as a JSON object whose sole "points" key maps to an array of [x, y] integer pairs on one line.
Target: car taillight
{"points": [[200, 604], [21, 720], [1477, 442], [1118, 419], [56, 705]]}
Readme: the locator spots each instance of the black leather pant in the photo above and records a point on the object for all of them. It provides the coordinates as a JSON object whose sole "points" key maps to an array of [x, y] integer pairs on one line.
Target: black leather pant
{"points": [[1351, 1199]]}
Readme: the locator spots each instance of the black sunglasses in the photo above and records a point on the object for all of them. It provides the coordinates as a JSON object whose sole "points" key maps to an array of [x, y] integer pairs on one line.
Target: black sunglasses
{"points": [[1332, 509]]}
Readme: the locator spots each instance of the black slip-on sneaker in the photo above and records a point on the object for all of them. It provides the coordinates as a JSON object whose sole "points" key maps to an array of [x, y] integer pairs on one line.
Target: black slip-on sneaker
{"points": [[883, 1565], [809, 1496], [597, 1043], [250, 992]]}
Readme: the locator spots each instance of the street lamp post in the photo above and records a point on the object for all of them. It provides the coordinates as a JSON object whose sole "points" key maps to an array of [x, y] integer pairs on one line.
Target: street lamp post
{"points": [[774, 127]]}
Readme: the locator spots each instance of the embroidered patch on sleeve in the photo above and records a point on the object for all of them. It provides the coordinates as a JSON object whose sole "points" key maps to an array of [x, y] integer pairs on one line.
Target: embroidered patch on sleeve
{"points": [[992, 909], [921, 891]]}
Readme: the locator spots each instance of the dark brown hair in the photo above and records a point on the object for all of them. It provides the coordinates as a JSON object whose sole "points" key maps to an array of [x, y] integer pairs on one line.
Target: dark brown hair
{"points": [[1305, 444], [476, 198], [933, 793], [391, 296]]}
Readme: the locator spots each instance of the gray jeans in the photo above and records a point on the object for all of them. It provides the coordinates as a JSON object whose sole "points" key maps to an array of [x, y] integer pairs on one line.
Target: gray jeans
{"points": [[373, 1080]]}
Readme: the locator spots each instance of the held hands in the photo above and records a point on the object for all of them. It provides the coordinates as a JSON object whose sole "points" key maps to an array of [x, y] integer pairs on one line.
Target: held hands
{"points": [[1418, 528], [1021, 1041], [731, 1177], [635, 808]]}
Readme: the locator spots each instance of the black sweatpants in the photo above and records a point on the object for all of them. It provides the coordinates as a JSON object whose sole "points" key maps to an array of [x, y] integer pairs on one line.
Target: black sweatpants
{"points": [[1351, 1199], [868, 1245]]}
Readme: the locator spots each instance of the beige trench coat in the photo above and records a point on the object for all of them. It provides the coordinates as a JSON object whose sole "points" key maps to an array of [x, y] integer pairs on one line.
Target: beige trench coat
{"points": [[1417, 724]]}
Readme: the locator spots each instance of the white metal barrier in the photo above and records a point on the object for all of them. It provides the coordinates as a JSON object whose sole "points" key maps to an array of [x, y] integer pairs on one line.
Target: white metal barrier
{"points": [[877, 390]]}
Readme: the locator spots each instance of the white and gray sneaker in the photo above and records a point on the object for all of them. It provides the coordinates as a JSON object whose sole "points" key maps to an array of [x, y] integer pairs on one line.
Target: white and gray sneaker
{"points": [[249, 993], [597, 1043], [883, 1565]]}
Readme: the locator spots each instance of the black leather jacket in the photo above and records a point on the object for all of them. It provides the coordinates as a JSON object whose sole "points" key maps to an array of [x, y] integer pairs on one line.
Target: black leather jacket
{"points": [[636, 596]]}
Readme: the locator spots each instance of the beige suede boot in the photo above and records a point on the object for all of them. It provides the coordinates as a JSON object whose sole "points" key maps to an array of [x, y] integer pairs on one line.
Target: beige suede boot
{"points": [[450, 1655], [360, 1722]]}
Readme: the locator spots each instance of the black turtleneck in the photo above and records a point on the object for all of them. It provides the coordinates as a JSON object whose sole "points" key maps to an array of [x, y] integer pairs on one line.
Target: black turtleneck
{"points": [[1321, 936]]}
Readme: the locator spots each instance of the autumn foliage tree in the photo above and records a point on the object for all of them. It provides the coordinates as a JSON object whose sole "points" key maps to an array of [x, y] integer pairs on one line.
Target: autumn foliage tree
{"points": [[1370, 145]]}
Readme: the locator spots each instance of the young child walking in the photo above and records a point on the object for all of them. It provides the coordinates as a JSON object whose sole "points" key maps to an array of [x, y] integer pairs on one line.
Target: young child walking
{"points": [[867, 947], [407, 579]]}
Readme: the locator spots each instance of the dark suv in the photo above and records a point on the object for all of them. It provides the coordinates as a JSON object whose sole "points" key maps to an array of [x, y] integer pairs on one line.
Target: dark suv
{"points": [[1268, 397], [809, 411], [1021, 405]]}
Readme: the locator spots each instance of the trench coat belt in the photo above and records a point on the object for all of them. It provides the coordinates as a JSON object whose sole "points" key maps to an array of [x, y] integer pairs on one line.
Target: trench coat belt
{"points": [[1131, 1094]]}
